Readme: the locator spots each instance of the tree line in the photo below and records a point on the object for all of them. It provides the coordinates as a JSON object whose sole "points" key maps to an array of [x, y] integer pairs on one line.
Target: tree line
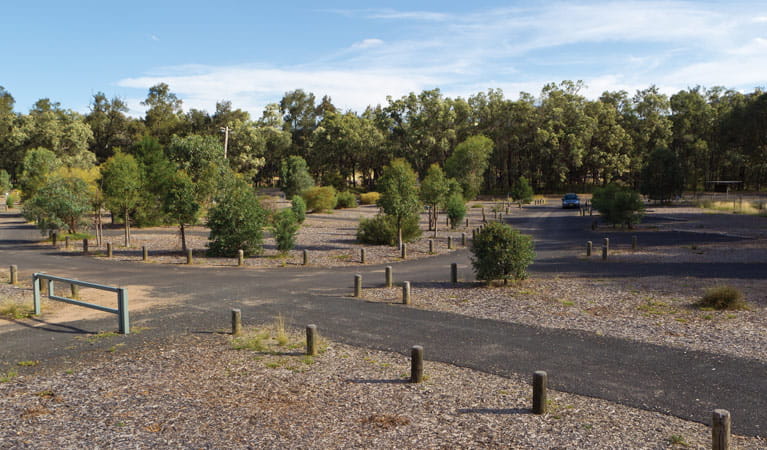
{"points": [[559, 140]]}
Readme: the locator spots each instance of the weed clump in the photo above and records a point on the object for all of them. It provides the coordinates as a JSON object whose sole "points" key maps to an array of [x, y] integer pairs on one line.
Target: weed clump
{"points": [[723, 297]]}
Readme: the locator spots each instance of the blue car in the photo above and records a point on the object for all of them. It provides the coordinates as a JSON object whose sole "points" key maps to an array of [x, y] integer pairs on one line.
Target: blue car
{"points": [[571, 201]]}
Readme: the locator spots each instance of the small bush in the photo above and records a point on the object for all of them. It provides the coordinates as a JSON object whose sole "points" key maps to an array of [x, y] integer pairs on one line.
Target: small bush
{"points": [[298, 206], [285, 227], [319, 199], [455, 208], [346, 199], [369, 198], [382, 230], [723, 297], [10, 200], [501, 252], [618, 205]]}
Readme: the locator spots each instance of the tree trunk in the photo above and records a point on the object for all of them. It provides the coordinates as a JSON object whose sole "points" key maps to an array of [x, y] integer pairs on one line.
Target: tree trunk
{"points": [[399, 234], [127, 228], [183, 237]]}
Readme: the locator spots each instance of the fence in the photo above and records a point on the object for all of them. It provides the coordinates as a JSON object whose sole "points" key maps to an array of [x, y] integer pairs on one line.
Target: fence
{"points": [[122, 297]]}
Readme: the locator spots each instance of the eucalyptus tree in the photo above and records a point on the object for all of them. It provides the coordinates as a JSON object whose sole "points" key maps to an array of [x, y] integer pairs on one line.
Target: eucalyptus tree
{"points": [[122, 186], [300, 119], [468, 164], [692, 119], [434, 190], [399, 190], [163, 116], [607, 153], [109, 124], [64, 132]]}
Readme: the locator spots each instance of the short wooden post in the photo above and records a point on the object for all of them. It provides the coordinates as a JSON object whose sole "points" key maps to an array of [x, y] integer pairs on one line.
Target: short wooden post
{"points": [[431, 246], [589, 245], [593, 225], [14, 278], [144, 253], [362, 256], [483, 215], [416, 364], [236, 322], [467, 222], [306, 257], [720, 430], [447, 223], [358, 285], [633, 242], [66, 242], [189, 256], [463, 239], [311, 340], [606, 243], [473, 234], [240, 257], [454, 273], [109, 249], [540, 382], [450, 242], [55, 238], [406, 293], [403, 253], [389, 279], [75, 291], [85, 246], [604, 253]]}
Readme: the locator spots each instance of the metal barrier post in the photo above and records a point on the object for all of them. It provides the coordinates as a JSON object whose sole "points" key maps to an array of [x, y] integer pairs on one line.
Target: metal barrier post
{"points": [[122, 306], [36, 294]]}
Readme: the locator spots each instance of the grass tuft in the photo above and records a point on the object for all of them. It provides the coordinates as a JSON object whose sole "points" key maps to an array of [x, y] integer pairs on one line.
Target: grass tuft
{"points": [[12, 310], [723, 297]]}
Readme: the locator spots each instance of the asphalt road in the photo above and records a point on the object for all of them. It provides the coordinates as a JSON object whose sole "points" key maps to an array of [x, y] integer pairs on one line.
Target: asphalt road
{"points": [[687, 384]]}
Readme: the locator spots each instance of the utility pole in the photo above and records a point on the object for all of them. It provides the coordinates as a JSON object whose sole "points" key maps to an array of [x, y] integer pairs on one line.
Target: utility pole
{"points": [[225, 130]]}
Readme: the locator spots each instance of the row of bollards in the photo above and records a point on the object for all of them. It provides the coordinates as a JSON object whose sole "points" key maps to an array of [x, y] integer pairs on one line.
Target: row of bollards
{"points": [[389, 282], [721, 425], [606, 246]]}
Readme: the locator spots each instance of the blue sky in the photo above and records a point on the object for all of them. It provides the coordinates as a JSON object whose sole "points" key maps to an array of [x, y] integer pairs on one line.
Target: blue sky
{"points": [[359, 52]]}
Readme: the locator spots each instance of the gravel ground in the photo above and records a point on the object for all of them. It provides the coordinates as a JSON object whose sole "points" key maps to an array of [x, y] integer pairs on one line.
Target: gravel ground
{"points": [[197, 391]]}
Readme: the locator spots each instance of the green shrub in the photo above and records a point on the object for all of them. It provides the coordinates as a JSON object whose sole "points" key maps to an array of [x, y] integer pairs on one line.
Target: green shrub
{"points": [[382, 230], [298, 206], [319, 199], [346, 199], [369, 198], [618, 205], [522, 192], [285, 227], [236, 222], [10, 200], [723, 297], [501, 252], [455, 209]]}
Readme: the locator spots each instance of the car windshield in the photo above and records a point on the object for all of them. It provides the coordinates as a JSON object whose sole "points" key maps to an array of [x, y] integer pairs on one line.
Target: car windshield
{"points": [[571, 197]]}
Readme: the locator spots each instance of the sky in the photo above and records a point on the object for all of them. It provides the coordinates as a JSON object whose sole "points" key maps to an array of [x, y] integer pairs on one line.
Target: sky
{"points": [[251, 53]]}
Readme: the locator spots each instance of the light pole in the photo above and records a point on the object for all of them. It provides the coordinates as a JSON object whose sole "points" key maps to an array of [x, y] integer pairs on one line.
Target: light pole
{"points": [[225, 130]]}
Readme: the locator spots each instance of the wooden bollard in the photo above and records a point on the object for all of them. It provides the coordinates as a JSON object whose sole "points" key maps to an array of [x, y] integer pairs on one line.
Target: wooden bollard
{"points": [[604, 253], [311, 340], [55, 238], [463, 239], [236, 322], [75, 291], [66, 242], [467, 222], [189, 256], [406, 293], [14, 277], [431, 246], [403, 253], [388, 275], [589, 245], [483, 215], [720, 430], [358, 285], [540, 383], [447, 222], [416, 364], [306, 257], [593, 225], [240, 257], [633, 242], [606, 243], [109, 249], [362, 256], [85, 246], [144, 253], [450, 242], [454, 273]]}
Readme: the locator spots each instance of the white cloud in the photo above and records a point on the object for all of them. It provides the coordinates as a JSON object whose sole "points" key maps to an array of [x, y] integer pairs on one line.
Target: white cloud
{"points": [[610, 45], [367, 43], [154, 37]]}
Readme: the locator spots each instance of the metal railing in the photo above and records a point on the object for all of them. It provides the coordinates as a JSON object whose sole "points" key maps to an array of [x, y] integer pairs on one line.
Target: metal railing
{"points": [[122, 297]]}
